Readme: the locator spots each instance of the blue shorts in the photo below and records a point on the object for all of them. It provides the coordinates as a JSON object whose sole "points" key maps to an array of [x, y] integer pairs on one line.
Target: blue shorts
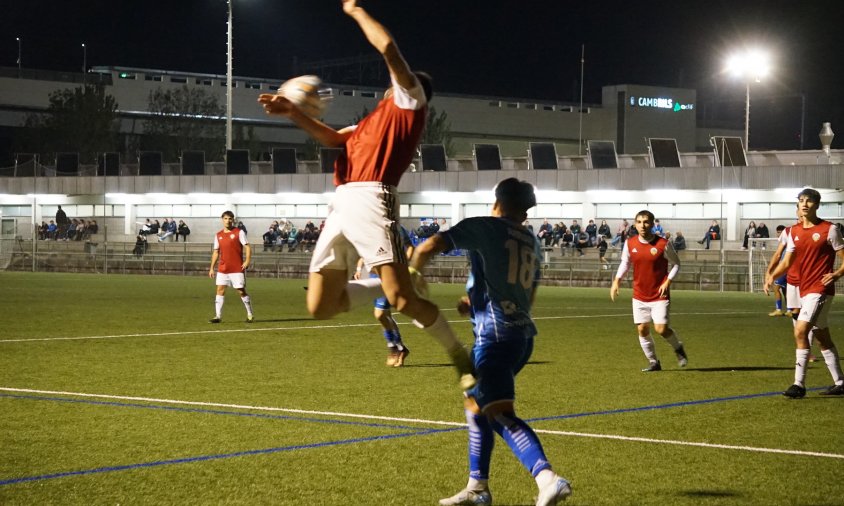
{"points": [[381, 302], [781, 281], [496, 367]]}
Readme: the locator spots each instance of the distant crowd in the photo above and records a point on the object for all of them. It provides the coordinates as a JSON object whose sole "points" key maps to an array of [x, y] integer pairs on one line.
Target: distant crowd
{"points": [[576, 238], [66, 229]]}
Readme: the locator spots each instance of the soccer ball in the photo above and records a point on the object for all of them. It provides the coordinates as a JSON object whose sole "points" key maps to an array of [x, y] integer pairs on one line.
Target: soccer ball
{"points": [[305, 92]]}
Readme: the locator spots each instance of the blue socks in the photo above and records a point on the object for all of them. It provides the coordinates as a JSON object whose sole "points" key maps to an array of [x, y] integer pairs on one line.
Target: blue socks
{"points": [[481, 442], [522, 441]]}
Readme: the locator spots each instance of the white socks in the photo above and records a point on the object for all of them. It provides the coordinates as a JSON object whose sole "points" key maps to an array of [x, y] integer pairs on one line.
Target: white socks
{"points": [[441, 331], [218, 305], [800, 366], [247, 303], [647, 345], [830, 356]]}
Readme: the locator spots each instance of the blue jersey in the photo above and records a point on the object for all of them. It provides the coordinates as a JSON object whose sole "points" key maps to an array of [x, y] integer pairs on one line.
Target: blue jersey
{"points": [[504, 273]]}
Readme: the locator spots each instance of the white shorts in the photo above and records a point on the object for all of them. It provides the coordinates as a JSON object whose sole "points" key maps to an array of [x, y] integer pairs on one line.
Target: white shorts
{"points": [[646, 312], [234, 279], [363, 220], [792, 297], [815, 309]]}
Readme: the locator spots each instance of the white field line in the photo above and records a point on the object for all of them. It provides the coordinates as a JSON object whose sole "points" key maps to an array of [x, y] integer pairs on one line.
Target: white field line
{"points": [[317, 327], [427, 422]]}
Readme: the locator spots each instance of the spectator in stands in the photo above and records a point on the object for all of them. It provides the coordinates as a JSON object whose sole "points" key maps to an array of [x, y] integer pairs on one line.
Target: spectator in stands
{"points": [[443, 225], [528, 226], [183, 230], [620, 234], [581, 241], [592, 232], [154, 227], [434, 226], [43, 229], [52, 230], [70, 233], [61, 224], [241, 226], [602, 251], [140, 245], [292, 238], [557, 234], [308, 237], [270, 237], [169, 229], [713, 234], [604, 229], [575, 229], [545, 233], [80, 230], [93, 227], [679, 241], [762, 233], [568, 239], [749, 233], [658, 230]]}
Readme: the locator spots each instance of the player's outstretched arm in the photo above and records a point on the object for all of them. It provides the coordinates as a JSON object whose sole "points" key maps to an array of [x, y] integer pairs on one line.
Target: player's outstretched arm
{"points": [[279, 105], [383, 42]]}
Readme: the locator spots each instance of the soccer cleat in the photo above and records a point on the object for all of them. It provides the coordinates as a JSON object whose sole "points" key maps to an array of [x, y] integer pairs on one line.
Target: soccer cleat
{"points": [[775, 312], [392, 356], [655, 366], [554, 493], [250, 319], [400, 356], [682, 359], [468, 498], [795, 392], [216, 319], [834, 390]]}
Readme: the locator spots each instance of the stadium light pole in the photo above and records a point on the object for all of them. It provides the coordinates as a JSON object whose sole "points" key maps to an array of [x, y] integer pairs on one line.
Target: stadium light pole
{"points": [[229, 80], [84, 62], [751, 65], [20, 61]]}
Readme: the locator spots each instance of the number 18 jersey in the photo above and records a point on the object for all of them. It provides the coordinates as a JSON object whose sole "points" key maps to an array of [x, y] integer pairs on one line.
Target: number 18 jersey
{"points": [[505, 272]]}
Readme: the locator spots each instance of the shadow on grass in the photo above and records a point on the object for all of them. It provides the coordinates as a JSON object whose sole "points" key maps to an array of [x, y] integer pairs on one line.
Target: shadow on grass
{"points": [[708, 493], [449, 364], [283, 320], [739, 369]]}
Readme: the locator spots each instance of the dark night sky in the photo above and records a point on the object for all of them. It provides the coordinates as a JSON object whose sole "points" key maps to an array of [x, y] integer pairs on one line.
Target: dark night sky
{"points": [[526, 48]]}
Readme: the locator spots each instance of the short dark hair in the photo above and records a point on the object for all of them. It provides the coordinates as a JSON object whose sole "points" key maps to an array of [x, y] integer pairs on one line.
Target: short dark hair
{"points": [[810, 194], [227, 213], [780, 228], [645, 212], [427, 83], [514, 194]]}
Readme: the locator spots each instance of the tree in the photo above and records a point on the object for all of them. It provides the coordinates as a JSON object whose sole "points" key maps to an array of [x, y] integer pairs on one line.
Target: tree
{"points": [[82, 119], [438, 130], [185, 119]]}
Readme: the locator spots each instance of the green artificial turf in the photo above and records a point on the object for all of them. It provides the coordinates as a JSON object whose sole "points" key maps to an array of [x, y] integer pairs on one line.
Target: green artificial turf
{"points": [[139, 343]]}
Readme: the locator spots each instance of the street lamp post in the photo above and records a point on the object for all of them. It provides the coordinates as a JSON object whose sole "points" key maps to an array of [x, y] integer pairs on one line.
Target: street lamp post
{"points": [[229, 81], [20, 60], [751, 65], [84, 62]]}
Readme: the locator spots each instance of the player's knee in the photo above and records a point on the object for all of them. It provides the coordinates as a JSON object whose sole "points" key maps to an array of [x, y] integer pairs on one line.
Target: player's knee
{"points": [[663, 330]]}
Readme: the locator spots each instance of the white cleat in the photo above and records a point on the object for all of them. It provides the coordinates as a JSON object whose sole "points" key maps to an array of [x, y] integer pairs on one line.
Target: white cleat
{"points": [[554, 493], [468, 498]]}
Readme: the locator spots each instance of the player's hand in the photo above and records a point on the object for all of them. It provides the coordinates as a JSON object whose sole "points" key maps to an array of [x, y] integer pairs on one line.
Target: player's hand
{"points": [[244, 265], [828, 278], [767, 286], [357, 275], [614, 291], [463, 306], [663, 289], [349, 6], [276, 104], [211, 272]]}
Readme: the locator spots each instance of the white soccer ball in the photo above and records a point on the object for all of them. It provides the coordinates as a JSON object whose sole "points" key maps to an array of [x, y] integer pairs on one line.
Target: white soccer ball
{"points": [[306, 93]]}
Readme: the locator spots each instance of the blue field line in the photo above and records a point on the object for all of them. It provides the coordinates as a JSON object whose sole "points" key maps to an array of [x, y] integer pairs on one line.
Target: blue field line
{"points": [[203, 458], [415, 433], [208, 411], [663, 406]]}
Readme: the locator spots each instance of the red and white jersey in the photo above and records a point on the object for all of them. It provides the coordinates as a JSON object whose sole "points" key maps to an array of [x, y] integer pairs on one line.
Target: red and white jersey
{"points": [[792, 276], [650, 261], [230, 244], [383, 144], [815, 249]]}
